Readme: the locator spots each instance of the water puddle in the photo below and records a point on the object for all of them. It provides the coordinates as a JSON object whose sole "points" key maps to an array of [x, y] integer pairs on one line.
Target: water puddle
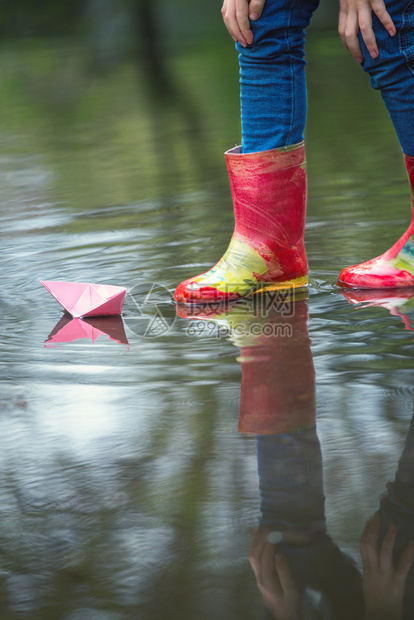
{"points": [[132, 480]]}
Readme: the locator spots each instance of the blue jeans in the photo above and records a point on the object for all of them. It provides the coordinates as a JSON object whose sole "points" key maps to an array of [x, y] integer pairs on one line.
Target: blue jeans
{"points": [[272, 74], [392, 73]]}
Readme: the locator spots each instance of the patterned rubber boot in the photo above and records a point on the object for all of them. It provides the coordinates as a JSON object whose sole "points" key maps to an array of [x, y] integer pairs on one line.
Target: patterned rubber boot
{"points": [[267, 250], [394, 268]]}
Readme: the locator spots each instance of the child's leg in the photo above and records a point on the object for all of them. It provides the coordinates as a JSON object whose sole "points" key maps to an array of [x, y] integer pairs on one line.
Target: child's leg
{"points": [[272, 77], [268, 180], [392, 73]]}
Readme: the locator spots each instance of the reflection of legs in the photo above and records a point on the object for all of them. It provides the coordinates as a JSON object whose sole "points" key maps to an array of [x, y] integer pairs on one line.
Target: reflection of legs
{"points": [[398, 507], [393, 74], [267, 174], [291, 488], [292, 504]]}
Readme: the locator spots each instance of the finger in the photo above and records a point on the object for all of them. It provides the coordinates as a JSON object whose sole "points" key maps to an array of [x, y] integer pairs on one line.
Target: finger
{"points": [[255, 552], [234, 30], [381, 12], [372, 540], [365, 25], [256, 9], [363, 546], [351, 36], [270, 580], [405, 562], [228, 12], [242, 16], [341, 28], [387, 547], [284, 572]]}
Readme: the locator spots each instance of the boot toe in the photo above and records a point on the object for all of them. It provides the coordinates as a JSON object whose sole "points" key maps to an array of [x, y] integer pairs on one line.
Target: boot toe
{"points": [[180, 292], [369, 276], [187, 291], [352, 277], [191, 291]]}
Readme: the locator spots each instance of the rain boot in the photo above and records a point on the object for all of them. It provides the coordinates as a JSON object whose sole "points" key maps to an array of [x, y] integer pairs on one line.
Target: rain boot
{"points": [[394, 268], [267, 250]]}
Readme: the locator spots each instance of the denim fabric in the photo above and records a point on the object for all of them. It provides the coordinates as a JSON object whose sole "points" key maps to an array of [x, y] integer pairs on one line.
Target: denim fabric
{"points": [[393, 71], [272, 76]]}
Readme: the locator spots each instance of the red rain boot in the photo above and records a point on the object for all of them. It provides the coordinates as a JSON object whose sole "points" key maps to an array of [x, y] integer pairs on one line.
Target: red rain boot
{"points": [[394, 268], [267, 250]]}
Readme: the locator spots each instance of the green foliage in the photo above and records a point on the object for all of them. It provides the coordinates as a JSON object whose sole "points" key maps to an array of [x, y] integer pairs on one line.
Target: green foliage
{"points": [[48, 18]]}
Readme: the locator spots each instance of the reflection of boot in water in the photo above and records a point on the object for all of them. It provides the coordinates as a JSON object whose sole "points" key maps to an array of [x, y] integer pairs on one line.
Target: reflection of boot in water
{"points": [[399, 302], [278, 378], [278, 384], [246, 321]]}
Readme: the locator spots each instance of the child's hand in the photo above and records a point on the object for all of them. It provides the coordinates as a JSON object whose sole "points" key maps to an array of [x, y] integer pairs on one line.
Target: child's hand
{"points": [[274, 577], [238, 14], [383, 583], [355, 16]]}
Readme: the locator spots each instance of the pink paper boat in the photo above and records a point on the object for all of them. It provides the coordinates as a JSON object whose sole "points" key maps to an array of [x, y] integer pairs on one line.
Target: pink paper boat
{"points": [[81, 299], [69, 329]]}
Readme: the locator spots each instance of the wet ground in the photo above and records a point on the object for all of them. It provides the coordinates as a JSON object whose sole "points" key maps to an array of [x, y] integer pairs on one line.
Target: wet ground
{"points": [[129, 485]]}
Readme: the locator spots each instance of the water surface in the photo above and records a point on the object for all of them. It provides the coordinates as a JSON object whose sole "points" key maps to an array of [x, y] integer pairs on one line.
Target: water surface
{"points": [[126, 489]]}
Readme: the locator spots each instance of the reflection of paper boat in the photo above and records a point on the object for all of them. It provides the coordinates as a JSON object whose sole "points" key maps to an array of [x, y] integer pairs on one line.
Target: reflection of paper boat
{"points": [[81, 299], [68, 329]]}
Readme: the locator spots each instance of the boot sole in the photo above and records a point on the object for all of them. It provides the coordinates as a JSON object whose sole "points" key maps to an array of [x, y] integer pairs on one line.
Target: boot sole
{"points": [[298, 283], [359, 287]]}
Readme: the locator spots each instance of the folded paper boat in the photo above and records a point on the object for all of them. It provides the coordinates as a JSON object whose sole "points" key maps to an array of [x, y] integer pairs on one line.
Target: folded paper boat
{"points": [[84, 299]]}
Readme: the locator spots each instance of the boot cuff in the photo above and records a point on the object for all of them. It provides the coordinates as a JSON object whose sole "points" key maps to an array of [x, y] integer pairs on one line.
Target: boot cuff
{"points": [[266, 161]]}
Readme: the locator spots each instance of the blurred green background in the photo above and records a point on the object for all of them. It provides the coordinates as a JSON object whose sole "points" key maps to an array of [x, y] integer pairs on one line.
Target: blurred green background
{"points": [[124, 98]]}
